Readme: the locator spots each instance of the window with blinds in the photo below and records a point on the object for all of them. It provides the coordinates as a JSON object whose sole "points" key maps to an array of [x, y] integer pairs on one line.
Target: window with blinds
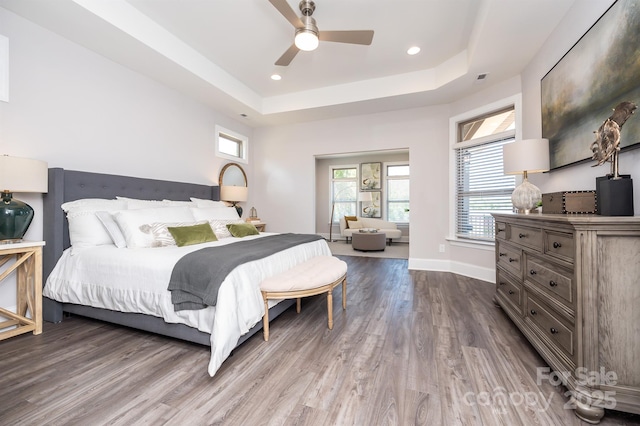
{"points": [[481, 186]]}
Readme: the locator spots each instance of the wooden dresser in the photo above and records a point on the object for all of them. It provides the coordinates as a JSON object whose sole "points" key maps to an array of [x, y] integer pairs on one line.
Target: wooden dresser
{"points": [[571, 283]]}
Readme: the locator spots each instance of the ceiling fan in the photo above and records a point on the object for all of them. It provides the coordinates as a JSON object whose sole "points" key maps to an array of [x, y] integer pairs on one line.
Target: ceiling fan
{"points": [[307, 34]]}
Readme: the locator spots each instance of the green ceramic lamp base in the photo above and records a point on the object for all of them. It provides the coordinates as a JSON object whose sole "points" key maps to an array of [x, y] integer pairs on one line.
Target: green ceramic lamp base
{"points": [[15, 218]]}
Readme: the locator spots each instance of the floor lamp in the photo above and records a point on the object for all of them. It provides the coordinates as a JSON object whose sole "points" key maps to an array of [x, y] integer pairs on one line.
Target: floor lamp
{"points": [[333, 206]]}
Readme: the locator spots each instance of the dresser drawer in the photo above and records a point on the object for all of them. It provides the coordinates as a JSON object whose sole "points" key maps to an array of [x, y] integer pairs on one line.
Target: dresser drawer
{"points": [[501, 230], [549, 323], [559, 245], [510, 289], [523, 235], [551, 279], [509, 258]]}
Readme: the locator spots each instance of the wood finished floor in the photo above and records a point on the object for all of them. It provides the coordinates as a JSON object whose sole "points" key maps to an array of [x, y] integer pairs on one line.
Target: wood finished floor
{"points": [[413, 348]]}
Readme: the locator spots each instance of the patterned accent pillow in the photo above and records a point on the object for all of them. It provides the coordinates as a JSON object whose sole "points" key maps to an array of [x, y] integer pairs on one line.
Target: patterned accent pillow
{"points": [[160, 233], [219, 227]]}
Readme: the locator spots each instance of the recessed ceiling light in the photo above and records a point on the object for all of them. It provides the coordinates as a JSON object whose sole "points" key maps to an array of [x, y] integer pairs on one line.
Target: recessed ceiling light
{"points": [[276, 77], [414, 50]]}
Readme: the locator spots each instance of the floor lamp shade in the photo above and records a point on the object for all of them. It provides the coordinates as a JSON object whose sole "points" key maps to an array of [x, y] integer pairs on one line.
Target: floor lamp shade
{"points": [[234, 194], [523, 157], [19, 175]]}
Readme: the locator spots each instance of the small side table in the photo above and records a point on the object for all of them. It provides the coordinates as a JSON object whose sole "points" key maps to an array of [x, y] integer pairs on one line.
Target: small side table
{"points": [[261, 227], [28, 267]]}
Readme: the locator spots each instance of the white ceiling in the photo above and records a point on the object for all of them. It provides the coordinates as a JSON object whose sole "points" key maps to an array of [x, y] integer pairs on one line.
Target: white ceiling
{"points": [[222, 52]]}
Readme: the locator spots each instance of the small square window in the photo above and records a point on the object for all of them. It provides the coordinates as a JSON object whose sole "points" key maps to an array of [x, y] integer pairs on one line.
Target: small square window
{"points": [[231, 145]]}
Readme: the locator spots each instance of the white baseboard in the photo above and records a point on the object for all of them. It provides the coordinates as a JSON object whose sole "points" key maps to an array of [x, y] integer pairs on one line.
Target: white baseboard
{"points": [[473, 271]]}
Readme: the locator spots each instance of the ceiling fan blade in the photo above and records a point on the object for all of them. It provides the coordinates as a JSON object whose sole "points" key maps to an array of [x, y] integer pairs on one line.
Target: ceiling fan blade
{"points": [[353, 37], [288, 56], [286, 11]]}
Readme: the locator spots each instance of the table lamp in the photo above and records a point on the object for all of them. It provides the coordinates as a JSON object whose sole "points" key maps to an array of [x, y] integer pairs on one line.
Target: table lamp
{"points": [[19, 175], [234, 194], [523, 157]]}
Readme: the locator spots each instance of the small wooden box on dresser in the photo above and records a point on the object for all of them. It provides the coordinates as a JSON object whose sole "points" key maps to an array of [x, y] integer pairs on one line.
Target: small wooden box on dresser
{"points": [[571, 283]]}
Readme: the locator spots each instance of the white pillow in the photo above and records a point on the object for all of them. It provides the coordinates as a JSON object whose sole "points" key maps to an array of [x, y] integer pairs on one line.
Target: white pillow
{"points": [[208, 203], [215, 213], [129, 222], [112, 228], [85, 229], [135, 203], [173, 203], [354, 224]]}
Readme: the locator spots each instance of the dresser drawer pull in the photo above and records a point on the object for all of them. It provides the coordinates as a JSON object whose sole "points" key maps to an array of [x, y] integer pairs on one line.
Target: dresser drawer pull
{"points": [[502, 283], [533, 272], [553, 283], [556, 244], [553, 330], [502, 254], [511, 291], [511, 259], [533, 312], [522, 235]]}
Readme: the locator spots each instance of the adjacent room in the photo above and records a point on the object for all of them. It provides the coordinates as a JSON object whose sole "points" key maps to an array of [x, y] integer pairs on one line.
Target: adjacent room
{"points": [[319, 212]]}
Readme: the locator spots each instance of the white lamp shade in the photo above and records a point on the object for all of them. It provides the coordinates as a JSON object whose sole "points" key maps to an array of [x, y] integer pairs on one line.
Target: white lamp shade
{"points": [[366, 196], [23, 175], [527, 155], [233, 193]]}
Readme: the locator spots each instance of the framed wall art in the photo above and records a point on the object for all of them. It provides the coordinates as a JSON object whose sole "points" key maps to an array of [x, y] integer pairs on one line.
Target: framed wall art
{"points": [[370, 176], [596, 74], [371, 208]]}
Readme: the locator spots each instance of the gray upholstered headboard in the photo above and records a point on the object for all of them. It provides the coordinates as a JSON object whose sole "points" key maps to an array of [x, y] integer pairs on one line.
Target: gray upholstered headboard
{"points": [[70, 185]]}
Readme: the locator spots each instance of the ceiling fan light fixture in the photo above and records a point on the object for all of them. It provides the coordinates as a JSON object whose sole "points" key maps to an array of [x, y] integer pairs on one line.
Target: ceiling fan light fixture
{"points": [[306, 40]]}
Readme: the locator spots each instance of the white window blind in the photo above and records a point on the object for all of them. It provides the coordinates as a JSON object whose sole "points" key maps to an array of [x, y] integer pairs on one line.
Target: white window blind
{"points": [[481, 188]]}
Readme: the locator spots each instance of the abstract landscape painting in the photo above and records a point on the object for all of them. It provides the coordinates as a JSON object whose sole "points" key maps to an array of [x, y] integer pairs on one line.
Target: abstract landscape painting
{"points": [[601, 70]]}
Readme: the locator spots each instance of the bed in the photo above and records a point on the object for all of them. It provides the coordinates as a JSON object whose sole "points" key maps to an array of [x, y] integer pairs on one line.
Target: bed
{"points": [[234, 319]]}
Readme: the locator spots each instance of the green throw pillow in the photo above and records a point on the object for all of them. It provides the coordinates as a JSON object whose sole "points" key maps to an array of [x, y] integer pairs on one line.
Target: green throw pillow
{"points": [[194, 234], [240, 230]]}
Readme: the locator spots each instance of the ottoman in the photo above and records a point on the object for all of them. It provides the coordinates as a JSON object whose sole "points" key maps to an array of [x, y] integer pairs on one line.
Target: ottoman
{"points": [[369, 241]]}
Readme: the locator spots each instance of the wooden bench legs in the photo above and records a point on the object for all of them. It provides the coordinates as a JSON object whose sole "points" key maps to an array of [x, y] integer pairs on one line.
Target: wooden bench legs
{"points": [[298, 294]]}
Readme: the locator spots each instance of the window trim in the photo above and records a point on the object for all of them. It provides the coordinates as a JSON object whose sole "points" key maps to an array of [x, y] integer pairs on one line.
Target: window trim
{"points": [[516, 102], [244, 157]]}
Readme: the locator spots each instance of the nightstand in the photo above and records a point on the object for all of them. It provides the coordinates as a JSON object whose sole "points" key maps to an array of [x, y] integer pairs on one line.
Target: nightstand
{"points": [[261, 227], [28, 267]]}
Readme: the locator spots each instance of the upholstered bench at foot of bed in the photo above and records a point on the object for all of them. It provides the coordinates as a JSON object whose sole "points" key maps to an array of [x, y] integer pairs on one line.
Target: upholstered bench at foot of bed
{"points": [[315, 276]]}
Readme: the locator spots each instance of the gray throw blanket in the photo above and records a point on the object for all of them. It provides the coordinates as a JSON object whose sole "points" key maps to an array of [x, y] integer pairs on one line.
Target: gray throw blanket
{"points": [[197, 276]]}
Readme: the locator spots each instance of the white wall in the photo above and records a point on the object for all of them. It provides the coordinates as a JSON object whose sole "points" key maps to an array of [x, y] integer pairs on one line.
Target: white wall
{"points": [[580, 177], [286, 167], [77, 110]]}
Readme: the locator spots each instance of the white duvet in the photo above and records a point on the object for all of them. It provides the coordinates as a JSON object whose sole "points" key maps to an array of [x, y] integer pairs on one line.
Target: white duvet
{"points": [[136, 280]]}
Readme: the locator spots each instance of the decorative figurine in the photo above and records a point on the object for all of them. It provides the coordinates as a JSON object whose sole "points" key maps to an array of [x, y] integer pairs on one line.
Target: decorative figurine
{"points": [[607, 144]]}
